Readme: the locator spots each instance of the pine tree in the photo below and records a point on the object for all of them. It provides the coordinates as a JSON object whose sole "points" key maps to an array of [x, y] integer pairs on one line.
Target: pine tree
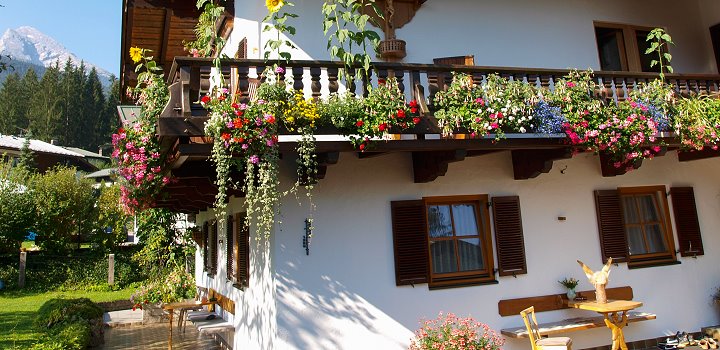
{"points": [[110, 121], [27, 156], [92, 113], [12, 106], [45, 107], [71, 85]]}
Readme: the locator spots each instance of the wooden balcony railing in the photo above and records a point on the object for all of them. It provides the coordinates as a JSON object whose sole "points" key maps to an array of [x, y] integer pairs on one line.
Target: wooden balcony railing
{"points": [[190, 78]]}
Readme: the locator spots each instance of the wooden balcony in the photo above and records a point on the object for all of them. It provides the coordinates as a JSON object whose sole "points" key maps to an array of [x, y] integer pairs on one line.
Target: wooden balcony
{"points": [[182, 122]]}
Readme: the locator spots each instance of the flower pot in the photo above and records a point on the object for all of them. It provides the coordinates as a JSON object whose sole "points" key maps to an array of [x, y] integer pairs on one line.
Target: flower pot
{"points": [[571, 294]]}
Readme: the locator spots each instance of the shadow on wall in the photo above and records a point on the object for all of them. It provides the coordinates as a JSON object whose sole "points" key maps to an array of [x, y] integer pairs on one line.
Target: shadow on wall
{"points": [[326, 315], [258, 315]]}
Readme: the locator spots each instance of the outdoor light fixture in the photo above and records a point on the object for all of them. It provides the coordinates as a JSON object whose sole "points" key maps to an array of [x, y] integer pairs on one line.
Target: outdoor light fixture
{"points": [[306, 237]]}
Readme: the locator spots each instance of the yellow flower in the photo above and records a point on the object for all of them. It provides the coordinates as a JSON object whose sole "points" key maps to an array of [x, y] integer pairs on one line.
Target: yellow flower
{"points": [[136, 54], [274, 5]]}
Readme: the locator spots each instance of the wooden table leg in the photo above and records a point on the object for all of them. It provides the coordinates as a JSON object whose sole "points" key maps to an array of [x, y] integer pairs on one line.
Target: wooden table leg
{"points": [[616, 322], [171, 322]]}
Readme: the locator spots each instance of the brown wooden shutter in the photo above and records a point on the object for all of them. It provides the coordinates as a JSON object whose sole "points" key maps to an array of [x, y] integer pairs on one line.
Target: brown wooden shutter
{"points": [[206, 238], [687, 224], [410, 242], [230, 249], [509, 239], [613, 241], [213, 249], [243, 251]]}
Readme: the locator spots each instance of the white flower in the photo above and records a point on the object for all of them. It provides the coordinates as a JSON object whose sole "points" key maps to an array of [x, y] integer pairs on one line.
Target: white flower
{"points": [[522, 130]]}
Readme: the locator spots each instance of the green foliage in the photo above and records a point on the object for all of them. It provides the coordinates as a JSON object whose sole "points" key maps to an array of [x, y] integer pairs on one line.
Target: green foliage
{"points": [[27, 157], [111, 220], [17, 207], [660, 42], [80, 271], [177, 285], [347, 25], [59, 311], [278, 22], [65, 207], [67, 322], [207, 42], [162, 246]]}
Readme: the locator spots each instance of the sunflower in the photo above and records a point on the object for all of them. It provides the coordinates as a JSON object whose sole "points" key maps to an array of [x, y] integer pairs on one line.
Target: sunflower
{"points": [[274, 5], [136, 54]]}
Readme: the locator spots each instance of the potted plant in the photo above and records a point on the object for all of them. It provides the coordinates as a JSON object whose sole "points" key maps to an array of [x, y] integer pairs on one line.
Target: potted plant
{"points": [[570, 283], [448, 330]]}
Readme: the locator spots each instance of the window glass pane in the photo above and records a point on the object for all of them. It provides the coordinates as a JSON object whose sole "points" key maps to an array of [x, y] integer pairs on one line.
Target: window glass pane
{"points": [[630, 210], [648, 210], [655, 238], [609, 41], [439, 221], [471, 257], [465, 221], [643, 45], [636, 243], [443, 256]]}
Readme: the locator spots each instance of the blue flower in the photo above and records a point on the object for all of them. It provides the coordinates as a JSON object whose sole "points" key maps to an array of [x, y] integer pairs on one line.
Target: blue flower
{"points": [[656, 113], [548, 119]]}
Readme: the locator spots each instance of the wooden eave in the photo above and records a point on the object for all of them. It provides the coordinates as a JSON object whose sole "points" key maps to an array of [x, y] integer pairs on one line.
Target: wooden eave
{"points": [[161, 26]]}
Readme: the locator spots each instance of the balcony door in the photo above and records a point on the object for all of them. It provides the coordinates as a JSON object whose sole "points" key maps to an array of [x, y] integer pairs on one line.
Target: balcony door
{"points": [[621, 47]]}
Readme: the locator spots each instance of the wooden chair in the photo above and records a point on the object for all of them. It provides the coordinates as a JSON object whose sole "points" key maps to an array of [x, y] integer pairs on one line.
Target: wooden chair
{"points": [[538, 343]]}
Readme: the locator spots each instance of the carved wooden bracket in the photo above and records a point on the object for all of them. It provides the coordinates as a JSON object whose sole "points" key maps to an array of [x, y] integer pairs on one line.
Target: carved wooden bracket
{"points": [[608, 168], [323, 160], [427, 166], [707, 152], [529, 163]]}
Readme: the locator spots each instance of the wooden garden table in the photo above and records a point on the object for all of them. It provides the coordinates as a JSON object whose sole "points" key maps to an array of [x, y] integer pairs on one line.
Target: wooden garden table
{"points": [[615, 312], [170, 308]]}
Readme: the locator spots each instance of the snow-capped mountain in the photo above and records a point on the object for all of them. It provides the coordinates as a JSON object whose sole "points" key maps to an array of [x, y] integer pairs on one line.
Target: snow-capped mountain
{"points": [[31, 46]]}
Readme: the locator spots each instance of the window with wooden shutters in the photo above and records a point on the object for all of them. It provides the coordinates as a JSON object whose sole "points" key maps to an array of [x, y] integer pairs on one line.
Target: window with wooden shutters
{"points": [[446, 241], [242, 234], [686, 221], [409, 242], [634, 222], [231, 250], [206, 255], [509, 236]]}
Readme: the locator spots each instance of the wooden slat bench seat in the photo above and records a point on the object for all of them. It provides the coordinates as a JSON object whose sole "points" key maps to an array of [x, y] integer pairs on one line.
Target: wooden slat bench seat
{"points": [[573, 324]]}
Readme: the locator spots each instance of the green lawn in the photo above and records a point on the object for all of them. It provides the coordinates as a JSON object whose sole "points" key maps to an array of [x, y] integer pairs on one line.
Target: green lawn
{"points": [[18, 308]]}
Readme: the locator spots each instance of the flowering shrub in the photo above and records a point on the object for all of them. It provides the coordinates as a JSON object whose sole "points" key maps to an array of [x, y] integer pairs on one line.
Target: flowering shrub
{"points": [[178, 285], [497, 106], [453, 333], [384, 109], [136, 150]]}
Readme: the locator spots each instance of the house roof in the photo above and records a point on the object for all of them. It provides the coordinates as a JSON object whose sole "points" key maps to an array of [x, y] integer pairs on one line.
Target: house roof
{"points": [[86, 153], [103, 173], [16, 143]]}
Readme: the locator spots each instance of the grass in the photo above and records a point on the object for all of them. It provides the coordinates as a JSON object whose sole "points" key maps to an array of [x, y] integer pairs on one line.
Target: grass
{"points": [[19, 308]]}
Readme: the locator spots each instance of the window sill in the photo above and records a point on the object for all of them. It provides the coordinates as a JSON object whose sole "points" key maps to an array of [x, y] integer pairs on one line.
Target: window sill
{"points": [[652, 263], [461, 283]]}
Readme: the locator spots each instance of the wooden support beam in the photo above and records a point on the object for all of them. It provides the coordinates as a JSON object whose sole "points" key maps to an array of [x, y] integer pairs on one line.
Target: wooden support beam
{"points": [[705, 153], [607, 165], [529, 163], [427, 166]]}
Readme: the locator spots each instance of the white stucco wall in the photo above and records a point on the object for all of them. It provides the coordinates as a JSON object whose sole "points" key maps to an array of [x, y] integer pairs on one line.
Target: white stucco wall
{"points": [[343, 295], [520, 33]]}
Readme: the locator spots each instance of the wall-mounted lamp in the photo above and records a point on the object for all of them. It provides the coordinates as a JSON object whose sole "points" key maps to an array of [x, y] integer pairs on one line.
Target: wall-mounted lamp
{"points": [[562, 218], [306, 236]]}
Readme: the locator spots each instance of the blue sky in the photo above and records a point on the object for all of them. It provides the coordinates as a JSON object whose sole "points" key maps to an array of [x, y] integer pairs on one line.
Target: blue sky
{"points": [[88, 28]]}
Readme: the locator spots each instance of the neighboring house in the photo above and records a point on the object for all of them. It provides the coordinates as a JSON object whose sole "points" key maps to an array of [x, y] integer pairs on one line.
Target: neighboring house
{"points": [[48, 155], [365, 282]]}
